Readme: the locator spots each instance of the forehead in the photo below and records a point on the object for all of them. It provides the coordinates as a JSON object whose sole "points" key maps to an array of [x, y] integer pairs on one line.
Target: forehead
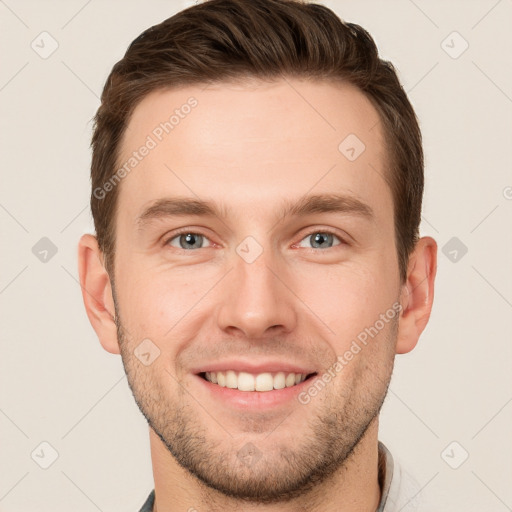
{"points": [[253, 143]]}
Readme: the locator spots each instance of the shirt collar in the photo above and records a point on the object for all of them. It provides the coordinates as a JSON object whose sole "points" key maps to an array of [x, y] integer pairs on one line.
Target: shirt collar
{"points": [[386, 468]]}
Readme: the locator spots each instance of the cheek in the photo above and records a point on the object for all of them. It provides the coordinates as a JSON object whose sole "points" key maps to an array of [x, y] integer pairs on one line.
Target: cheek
{"points": [[160, 304], [347, 299]]}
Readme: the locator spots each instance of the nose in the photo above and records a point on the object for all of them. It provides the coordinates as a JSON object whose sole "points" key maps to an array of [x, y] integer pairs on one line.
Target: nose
{"points": [[258, 299]]}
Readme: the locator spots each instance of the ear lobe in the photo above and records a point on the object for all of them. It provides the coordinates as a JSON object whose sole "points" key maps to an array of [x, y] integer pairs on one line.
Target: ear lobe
{"points": [[97, 293], [417, 294]]}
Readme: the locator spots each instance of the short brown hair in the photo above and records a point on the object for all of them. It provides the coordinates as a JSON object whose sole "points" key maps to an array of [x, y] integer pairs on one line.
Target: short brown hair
{"points": [[222, 40]]}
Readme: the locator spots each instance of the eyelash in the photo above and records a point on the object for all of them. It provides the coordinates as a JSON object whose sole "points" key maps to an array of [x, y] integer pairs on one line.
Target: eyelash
{"points": [[322, 231]]}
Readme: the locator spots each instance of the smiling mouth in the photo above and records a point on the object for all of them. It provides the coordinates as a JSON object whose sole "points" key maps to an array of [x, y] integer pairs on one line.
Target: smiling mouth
{"points": [[262, 382]]}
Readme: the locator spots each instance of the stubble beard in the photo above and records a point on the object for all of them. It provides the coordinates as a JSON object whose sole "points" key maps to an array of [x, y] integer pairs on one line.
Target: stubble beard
{"points": [[283, 471]]}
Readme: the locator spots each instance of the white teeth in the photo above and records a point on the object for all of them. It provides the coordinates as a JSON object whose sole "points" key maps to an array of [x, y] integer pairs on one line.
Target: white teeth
{"points": [[264, 382], [231, 380], [279, 381], [245, 382], [290, 380], [248, 382]]}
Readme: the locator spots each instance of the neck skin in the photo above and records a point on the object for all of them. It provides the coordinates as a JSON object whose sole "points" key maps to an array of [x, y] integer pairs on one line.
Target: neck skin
{"points": [[354, 487]]}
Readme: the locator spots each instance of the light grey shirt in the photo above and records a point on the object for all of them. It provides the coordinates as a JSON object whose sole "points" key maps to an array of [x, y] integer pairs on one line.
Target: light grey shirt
{"points": [[400, 490]]}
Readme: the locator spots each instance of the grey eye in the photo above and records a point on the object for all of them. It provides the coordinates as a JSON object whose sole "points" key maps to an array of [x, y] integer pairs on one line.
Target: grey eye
{"points": [[188, 241], [321, 240]]}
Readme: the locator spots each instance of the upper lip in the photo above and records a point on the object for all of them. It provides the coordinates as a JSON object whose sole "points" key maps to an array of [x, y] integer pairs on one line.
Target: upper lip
{"points": [[239, 365]]}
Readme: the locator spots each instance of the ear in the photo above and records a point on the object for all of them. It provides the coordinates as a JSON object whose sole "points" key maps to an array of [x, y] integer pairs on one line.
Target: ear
{"points": [[97, 292], [417, 294]]}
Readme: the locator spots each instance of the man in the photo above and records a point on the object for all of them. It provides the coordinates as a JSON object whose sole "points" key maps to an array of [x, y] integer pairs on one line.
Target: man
{"points": [[257, 178]]}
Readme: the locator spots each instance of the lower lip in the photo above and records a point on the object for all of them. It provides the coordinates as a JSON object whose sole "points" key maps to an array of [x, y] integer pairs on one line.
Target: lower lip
{"points": [[255, 399]]}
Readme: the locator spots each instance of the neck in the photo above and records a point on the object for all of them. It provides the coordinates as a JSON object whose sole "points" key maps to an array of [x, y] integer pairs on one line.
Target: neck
{"points": [[353, 487]]}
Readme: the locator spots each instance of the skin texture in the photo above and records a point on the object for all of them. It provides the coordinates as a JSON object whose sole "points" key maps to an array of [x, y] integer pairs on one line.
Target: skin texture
{"points": [[249, 148]]}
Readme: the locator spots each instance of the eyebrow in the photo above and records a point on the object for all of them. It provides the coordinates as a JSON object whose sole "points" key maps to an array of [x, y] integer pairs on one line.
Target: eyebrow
{"points": [[306, 205]]}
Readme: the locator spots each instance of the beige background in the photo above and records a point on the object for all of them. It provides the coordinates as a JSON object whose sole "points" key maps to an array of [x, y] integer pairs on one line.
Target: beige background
{"points": [[58, 386]]}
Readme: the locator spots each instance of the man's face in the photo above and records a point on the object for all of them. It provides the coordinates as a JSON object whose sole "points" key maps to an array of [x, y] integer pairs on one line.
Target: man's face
{"points": [[255, 291]]}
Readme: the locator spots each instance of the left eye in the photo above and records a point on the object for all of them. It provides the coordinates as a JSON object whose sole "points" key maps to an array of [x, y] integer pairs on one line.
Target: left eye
{"points": [[321, 239], [187, 240]]}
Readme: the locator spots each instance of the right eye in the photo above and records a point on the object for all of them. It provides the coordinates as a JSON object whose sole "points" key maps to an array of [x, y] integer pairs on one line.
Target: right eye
{"points": [[186, 240]]}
